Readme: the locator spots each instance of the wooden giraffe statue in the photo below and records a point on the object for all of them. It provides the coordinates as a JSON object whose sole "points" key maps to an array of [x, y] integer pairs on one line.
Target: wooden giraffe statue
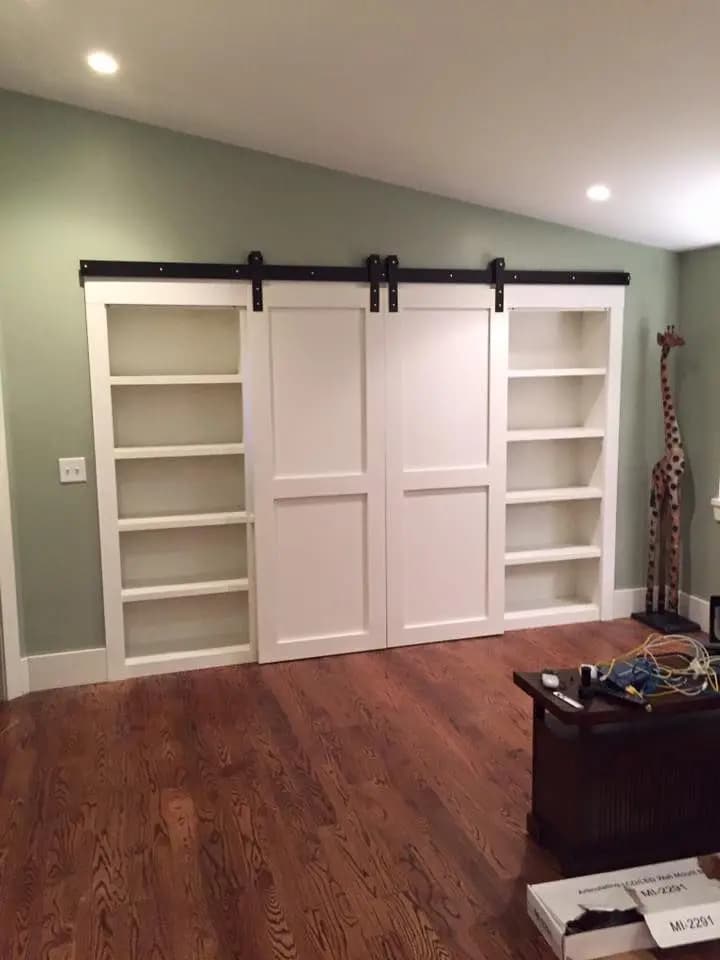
{"points": [[664, 539]]}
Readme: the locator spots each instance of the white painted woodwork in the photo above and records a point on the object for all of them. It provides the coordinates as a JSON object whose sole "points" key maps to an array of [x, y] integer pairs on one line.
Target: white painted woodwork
{"points": [[535, 373], [554, 433], [170, 421], [554, 464], [534, 526], [199, 588], [183, 553], [176, 380], [550, 554], [155, 452], [176, 340], [565, 402], [557, 584], [15, 679], [185, 485], [165, 628], [563, 386], [556, 338], [171, 521], [556, 614], [317, 356], [178, 415], [446, 367], [330, 480], [552, 494]]}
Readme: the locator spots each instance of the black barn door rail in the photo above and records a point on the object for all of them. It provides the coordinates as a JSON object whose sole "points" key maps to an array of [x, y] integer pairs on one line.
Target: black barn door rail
{"points": [[373, 272]]}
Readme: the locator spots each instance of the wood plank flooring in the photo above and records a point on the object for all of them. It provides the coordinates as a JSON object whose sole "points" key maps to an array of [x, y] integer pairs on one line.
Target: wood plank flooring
{"points": [[366, 807]]}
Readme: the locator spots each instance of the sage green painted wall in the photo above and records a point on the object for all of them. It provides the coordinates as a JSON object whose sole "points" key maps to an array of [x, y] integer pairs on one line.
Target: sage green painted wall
{"points": [[698, 389], [79, 184]]}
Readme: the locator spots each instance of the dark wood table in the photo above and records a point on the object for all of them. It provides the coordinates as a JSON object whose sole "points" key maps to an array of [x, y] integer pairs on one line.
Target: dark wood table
{"points": [[614, 786]]}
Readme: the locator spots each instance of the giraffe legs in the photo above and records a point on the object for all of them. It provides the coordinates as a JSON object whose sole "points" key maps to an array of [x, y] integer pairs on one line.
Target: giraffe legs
{"points": [[673, 541], [656, 501], [652, 554], [662, 546]]}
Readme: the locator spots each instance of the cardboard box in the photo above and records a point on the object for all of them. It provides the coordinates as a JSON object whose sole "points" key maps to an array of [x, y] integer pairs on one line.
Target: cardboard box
{"points": [[678, 901]]}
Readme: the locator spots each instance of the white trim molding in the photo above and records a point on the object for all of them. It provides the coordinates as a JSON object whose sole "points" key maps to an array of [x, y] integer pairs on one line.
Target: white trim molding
{"points": [[629, 599], [15, 670], [71, 668], [49, 671]]}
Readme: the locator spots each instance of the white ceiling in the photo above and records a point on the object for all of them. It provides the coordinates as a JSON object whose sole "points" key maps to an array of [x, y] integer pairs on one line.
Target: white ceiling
{"points": [[515, 104]]}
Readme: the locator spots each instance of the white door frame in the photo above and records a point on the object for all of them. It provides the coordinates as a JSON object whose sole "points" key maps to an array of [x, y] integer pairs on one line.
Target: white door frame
{"points": [[16, 674]]}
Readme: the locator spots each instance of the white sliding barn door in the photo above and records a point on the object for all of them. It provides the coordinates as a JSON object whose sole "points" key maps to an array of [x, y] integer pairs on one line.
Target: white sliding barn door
{"points": [[318, 361], [446, 402]]}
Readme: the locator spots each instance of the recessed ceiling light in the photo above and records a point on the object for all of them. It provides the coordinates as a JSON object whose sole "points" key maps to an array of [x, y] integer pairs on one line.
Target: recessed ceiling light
{"points": [[102, 62], [598, 193]]}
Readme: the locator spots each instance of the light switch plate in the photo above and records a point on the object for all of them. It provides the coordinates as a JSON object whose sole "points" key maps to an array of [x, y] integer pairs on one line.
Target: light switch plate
{"points": [[72, 470]]}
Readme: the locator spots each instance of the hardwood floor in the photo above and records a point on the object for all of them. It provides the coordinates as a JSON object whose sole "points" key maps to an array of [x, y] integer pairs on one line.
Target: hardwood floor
{"points": [[366, 806]]}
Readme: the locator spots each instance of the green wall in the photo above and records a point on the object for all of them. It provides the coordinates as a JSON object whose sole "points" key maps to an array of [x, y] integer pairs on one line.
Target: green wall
{"points": [[79, 184], [698, 388]]}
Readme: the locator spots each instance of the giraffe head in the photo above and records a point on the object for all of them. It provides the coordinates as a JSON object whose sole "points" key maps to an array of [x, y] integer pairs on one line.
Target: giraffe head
{"points": [[669, 339]]}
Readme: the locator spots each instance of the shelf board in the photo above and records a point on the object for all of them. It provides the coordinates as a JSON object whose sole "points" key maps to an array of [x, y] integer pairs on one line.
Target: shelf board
{"points": [[537, 372], [206, 655], [554, 433], [201, 651], [553, 494], [514, 558], [179, 450], [198, 588], [558, 610], [174, 379], [177, 520]]}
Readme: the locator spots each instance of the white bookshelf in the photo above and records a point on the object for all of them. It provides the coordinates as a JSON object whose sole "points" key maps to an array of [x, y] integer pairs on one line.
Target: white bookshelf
{"points": [[176, 523], [563, 408]]}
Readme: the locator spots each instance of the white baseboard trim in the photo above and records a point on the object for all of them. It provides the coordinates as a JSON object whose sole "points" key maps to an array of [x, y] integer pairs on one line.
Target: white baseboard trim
{"points": [[71, 668], [627, 601], [695, 608], [630, 599]]}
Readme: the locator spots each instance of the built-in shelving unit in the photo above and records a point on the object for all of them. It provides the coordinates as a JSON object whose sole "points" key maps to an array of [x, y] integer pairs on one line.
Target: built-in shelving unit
{"points": [[170, 441], [561, 459]]}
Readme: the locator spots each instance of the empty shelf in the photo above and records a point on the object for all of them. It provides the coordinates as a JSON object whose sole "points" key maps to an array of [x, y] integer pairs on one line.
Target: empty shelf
{"points": [[554, 433], [167, 591], [179, 450], [535, 372], [175, 379], [553, 494], [515, 558], [557, 610], [173, 521], [207, 648]]}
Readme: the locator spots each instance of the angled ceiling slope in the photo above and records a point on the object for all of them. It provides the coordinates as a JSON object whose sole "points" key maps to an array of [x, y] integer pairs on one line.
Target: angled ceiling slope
{"points": [[519, 105]]}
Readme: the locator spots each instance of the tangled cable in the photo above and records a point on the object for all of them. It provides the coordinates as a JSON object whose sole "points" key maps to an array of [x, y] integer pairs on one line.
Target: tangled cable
{"points": [[664, 665]]}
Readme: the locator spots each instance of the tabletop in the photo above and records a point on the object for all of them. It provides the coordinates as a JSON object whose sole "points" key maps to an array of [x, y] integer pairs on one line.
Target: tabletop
{"points": [[600, 710]]}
